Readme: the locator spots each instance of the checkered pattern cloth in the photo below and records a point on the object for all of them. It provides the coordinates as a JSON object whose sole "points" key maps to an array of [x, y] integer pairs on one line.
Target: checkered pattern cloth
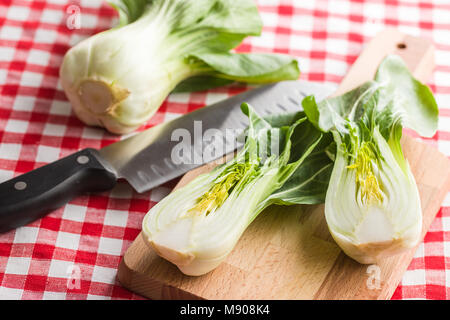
{"points": [[85, 239]]}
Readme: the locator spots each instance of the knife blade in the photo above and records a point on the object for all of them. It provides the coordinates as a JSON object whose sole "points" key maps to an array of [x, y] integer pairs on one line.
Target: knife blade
{"points": [[146, 159]]}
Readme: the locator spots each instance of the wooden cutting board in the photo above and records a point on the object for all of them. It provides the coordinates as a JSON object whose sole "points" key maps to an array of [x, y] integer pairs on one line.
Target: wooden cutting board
{"points": [[287, 252]]}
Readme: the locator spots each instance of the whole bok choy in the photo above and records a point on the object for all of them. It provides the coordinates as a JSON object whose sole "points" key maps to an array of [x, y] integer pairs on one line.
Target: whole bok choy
{"points": [[283, 161], [118, 78], [372, 204]]}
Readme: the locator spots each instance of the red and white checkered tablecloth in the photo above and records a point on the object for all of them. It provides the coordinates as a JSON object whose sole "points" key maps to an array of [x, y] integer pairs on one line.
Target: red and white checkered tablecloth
{"points": [[87, 237]]}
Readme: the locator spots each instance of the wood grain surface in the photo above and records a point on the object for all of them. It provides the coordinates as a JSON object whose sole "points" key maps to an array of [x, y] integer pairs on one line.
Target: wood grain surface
{"points": [[287, 252]]}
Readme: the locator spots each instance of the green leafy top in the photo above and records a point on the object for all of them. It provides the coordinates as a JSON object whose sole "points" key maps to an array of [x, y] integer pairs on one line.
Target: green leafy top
{"points": [[203, 32], [129, 10], [303, 164], [393, 98], [286, 143]]}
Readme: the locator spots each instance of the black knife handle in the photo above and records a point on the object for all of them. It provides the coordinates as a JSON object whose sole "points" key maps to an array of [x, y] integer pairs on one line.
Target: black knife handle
{"points": [[36, 193]]}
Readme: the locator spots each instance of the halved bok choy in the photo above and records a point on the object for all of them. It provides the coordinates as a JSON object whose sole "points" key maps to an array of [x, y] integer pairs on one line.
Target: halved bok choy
{"points": [[283, 161], [372, 204]]}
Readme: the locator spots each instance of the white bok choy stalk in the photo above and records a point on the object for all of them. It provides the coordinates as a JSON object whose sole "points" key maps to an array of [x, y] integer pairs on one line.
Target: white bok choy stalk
{"points": [[283, 161], [372, 204], [118, 78]]}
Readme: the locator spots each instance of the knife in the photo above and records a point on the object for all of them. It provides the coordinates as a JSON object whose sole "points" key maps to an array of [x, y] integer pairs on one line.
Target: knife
{"points": [[146, 159]]}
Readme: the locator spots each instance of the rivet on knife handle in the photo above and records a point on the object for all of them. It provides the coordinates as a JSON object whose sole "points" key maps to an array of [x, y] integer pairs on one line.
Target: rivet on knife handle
{"points": [[36, 193]]}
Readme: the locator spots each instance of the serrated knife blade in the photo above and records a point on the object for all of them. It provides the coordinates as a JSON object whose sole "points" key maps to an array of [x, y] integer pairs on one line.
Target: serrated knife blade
{"points": [[146, 159]]}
